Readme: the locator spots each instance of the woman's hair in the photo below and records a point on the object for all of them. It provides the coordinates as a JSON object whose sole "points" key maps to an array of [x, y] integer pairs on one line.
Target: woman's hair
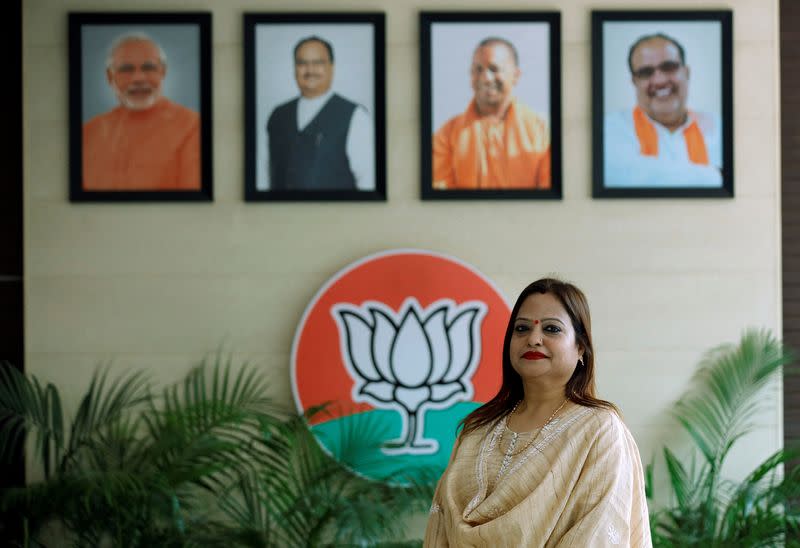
{"points": [[580, 388]]}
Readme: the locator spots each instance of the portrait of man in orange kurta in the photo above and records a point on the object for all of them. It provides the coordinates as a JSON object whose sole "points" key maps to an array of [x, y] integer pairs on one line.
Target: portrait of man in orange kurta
{"points": [[497, 142], [146, 142]]}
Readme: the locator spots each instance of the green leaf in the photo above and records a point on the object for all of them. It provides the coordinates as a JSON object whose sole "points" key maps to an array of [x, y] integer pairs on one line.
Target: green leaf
{"points": [[716, 412]]}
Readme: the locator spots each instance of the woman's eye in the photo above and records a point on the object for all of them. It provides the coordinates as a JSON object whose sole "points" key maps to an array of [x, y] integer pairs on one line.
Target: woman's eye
{"points": [[521, 328], [552, 329]]}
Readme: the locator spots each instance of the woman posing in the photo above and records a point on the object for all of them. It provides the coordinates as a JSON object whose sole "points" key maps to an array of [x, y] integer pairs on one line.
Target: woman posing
{"points": [[544, 463]]}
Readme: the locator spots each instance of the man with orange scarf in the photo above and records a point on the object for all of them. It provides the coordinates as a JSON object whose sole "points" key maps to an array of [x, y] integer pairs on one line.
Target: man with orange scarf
{"points": [[660, 142], [497, 143], [147, 142]]}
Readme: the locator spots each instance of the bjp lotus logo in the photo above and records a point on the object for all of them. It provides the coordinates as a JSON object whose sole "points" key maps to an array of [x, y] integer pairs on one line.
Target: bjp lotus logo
{"points": [[391, 353], [411, 361]]}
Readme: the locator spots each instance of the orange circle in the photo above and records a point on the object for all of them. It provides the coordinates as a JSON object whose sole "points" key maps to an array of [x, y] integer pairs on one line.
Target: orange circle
{"points": [[318, 371]]}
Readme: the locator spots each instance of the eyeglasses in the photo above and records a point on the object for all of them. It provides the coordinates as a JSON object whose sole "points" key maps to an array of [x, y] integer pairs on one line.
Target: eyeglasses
{"points": [[647, 71]]}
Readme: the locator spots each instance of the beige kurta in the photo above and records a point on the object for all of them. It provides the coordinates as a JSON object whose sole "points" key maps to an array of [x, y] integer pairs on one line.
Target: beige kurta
{"points": [[578, 484]]}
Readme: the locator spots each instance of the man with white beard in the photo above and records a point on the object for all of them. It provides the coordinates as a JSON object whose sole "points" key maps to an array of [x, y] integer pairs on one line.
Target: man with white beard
{"points": [[660, 142], [147, 142]]}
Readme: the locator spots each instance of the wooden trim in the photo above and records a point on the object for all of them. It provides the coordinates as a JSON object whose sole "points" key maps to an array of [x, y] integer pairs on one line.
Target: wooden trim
{"points": [[790, 200], [11, 285]]}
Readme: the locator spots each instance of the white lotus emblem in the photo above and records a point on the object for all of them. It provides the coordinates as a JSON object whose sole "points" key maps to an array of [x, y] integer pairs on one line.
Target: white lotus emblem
{"points": [[411, 361]]}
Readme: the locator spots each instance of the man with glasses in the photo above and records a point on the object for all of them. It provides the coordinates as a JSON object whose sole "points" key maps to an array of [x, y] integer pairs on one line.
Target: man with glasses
{"points": [[660, 142], [147, 142], [319, 140]]}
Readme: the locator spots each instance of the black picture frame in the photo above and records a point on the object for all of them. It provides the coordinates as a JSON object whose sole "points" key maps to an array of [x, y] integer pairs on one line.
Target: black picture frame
{"points": [[359, 77], [693, 164], [98, 175], [448, 41]]}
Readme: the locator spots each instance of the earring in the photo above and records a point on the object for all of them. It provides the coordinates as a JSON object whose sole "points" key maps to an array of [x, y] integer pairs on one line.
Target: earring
{"points": [[580, 361]]}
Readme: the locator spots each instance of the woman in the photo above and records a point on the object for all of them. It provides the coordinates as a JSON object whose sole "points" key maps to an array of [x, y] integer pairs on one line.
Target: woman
{"points": [[544, 463]]}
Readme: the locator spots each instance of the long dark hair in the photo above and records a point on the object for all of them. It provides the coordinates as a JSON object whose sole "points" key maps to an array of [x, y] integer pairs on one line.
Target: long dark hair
{"points": [[580, 388]]}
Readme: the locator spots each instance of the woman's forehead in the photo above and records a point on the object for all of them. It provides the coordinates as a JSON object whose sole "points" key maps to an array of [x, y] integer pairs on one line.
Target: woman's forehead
{"points": [[538, 305]]}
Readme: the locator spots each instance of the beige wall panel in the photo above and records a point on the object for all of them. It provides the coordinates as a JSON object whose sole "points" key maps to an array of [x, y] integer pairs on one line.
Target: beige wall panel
{"points": [[757, 167], [47, 177], [577, 173], [755, 20], [160, 285], [46, 24], [229, 99], [45, 87], [755, 81], [612, 236], [402, 164], [576, 84], [662, 313], [403, 88], [228, 165]]}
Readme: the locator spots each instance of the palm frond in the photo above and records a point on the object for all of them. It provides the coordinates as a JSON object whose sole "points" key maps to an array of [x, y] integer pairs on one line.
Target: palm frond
{"points": [[308, 497], [27, 407], [716, 412], [680, 481], [102, 406], [208, 461]]}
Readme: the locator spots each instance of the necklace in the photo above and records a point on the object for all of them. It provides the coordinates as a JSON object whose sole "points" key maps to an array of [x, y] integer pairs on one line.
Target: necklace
{"points": [[510, 453]]}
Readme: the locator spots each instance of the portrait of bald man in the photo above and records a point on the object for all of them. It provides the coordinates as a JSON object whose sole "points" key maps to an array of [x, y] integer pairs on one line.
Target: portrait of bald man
{"points": [[135, 136], [490, 105], [662, 124], [497, 142]]}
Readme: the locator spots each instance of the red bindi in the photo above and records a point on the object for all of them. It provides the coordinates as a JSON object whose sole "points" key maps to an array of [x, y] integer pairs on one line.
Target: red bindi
{"points": [[535, 322]]}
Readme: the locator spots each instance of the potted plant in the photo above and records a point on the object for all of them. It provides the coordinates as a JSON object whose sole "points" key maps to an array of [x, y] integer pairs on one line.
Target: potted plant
{"points": [[704, 508], [208, 461]]}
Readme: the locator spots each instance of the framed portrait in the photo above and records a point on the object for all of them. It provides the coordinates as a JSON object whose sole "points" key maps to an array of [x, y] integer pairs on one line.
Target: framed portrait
{"points": [[140, 107], [491, 105], [662, 104], [314, 106]]}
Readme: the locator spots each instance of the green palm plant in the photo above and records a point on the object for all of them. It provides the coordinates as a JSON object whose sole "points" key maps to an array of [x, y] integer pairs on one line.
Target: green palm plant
{"points": [[310, 498], [705, 509], [208, 461]]}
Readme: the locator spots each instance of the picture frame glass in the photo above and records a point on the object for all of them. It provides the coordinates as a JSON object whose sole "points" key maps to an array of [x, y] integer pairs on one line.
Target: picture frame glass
{"points": [[140, 107], [491, 105], [315, 107], [663, 106]]}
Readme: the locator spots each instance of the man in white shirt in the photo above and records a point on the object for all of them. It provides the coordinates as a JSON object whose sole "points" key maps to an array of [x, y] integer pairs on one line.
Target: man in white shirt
{"points": [[660, 143], [319, 140]]}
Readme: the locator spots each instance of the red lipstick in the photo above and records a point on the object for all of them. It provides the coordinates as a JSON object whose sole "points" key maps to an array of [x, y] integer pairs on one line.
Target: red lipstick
{"points": [[530, 355]]}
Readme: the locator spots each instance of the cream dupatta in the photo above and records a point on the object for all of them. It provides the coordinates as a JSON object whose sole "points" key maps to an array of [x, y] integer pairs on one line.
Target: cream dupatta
{"points": [[580, 483]]}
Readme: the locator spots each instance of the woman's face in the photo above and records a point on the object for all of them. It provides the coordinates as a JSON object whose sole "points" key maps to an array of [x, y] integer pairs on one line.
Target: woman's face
{"points": [[543, 345]]}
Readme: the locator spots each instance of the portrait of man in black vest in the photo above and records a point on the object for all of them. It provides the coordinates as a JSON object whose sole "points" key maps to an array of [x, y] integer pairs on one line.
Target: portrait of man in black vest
{"points": [[319, 140]]}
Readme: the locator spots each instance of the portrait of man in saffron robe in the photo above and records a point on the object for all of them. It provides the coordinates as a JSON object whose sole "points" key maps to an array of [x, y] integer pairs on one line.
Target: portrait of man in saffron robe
{"points": [[141, 109], [491, 108]]}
